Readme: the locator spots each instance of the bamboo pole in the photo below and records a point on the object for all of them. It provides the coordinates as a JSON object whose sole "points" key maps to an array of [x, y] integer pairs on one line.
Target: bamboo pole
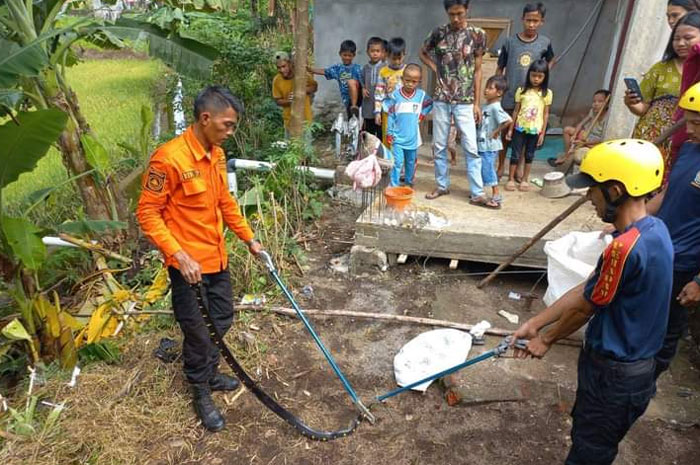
{"points": [[394, 318]]}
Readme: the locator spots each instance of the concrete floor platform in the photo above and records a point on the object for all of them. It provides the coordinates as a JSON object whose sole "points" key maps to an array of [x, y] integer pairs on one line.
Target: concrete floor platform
{"points": [[472, 233]]}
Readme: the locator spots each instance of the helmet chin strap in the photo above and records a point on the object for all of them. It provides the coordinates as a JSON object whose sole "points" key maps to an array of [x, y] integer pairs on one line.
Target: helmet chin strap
{"points": [[611, 205]]}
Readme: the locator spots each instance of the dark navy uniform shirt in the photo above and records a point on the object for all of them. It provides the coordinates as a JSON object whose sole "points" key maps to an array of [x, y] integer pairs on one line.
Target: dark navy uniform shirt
{"points": [[680, 209], [630, 291]]}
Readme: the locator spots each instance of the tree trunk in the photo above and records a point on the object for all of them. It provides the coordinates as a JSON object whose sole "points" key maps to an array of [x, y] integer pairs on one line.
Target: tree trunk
{"points": [[301, 47], [96, 197], [254, 8]]}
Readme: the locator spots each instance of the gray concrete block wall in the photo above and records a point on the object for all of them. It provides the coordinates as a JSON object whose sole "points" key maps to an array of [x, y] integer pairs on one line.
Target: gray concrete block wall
{"points": [[336, 20]]}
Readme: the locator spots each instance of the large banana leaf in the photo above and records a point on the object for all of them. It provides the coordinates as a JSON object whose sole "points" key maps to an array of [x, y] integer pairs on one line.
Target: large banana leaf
{"points": [[25, 143], [16, 61], [186, 56], [23, 238], [9, 99]]}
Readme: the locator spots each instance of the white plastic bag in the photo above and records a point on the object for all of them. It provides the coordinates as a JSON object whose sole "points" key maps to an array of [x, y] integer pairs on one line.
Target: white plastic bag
{"points": [[570, 261], [429, 353]]}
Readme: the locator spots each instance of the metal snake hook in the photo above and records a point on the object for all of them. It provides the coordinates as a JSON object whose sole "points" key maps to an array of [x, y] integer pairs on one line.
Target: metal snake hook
{"points": [[269, 264]]}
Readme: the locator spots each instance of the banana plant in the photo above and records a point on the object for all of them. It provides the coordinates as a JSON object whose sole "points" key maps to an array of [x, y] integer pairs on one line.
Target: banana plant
{"points": [[34, 52]]}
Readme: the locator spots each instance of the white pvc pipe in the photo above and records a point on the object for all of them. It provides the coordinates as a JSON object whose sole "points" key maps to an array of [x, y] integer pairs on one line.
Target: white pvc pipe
{"points": [[50, 240], [254, 165]]}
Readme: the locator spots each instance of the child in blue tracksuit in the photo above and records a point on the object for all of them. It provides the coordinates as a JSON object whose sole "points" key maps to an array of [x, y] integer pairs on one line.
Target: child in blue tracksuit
{"points": [[405, 108]]}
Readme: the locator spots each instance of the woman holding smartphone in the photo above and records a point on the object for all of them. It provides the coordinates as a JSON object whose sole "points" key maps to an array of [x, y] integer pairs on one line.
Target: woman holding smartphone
{"points": [[661, 86]]}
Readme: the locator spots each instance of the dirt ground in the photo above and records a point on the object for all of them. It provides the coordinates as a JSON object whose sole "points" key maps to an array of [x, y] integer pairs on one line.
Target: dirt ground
{"points": [[139, 412]]}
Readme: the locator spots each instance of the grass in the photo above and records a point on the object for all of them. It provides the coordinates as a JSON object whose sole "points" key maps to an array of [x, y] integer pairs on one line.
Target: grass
{"points": [[111, 93]]}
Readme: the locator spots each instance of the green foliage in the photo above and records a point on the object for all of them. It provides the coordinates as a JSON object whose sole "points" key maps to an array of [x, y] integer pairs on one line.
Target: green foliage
{"points": [[24, 241], [105, 350], [20, 61], [185, 55], [90, 227], [25, 143], [111, 92]]}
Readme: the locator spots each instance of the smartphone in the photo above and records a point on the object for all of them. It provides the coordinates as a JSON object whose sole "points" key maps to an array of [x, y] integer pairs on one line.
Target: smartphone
{"points": [[633, 86]]}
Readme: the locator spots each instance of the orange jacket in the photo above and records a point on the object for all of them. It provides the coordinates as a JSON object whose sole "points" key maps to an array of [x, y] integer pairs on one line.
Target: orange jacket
{"points": [[185, 202]]}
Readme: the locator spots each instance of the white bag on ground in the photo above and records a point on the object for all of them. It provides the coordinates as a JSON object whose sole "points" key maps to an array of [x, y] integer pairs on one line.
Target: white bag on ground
{"points": [[570, 261], [429, 353]]}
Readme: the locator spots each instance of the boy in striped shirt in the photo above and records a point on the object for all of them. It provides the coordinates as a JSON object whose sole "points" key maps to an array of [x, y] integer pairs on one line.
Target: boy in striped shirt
{"points": [[405, 108]]}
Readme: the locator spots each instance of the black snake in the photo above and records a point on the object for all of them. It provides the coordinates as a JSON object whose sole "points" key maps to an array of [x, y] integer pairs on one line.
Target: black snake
{"points": [[268, 401]]}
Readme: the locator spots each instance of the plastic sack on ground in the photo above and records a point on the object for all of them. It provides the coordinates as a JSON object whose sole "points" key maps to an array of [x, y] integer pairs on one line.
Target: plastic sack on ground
{"points": [[429, 353], [570, 261]]}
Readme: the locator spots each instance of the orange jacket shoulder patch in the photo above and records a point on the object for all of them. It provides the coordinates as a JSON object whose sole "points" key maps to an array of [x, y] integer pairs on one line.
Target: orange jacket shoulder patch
{"points": [[614, 259]]}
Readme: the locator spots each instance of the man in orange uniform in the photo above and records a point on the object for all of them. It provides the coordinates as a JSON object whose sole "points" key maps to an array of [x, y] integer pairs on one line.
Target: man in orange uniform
{"points": [[182, 210]]}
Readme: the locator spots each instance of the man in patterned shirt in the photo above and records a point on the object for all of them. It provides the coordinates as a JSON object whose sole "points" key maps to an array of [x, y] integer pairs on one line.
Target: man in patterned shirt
{"points": [[454, 52]]}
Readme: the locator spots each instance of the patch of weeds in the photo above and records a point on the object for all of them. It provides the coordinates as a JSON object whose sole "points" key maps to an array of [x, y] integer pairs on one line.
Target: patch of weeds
{"points": [[106, 351]]}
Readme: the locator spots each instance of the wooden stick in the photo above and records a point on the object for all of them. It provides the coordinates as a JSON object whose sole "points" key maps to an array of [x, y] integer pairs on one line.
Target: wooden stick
{"points": [[395, 318], [561, 217], [94, 248], [669, 132]]}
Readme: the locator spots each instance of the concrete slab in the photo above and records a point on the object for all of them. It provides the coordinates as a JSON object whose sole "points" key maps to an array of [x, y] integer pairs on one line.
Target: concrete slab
{"points": [[471, 233]]}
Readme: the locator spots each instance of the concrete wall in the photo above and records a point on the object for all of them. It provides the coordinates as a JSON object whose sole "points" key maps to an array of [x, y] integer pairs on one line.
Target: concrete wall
{"points": [[647, 38], [336, 20]]}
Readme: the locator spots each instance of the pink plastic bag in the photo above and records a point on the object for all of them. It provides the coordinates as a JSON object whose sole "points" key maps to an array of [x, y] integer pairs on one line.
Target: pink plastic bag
{"points": [[364, 173]]}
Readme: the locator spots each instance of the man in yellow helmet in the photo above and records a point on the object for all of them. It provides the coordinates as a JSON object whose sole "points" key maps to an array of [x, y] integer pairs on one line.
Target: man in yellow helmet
{"points": [[678, 205], [625, 302]]}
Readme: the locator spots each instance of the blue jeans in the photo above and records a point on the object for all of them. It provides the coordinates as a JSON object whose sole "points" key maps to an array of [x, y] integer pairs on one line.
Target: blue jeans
{"points": [[611, 395], [488, 168], [464, 121], [403, 157]]}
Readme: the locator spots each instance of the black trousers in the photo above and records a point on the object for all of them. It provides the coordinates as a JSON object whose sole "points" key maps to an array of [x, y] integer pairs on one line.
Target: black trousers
{"points": [[373, 128], [200, 355], [677, 322], [611, 395], [522, 141]]}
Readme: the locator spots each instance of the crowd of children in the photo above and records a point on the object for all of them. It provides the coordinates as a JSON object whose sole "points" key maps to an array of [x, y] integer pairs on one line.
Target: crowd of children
{"points": [[385, 94]]}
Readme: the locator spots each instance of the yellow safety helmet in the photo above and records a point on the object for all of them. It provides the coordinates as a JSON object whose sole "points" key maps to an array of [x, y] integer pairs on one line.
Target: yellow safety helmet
{"points": [[637, 164], [691, 99]]}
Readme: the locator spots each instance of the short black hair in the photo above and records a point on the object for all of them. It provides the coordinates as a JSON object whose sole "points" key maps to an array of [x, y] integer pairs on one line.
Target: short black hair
{"points": [[348, 46], [532, 7], [538, 66], [216, 98], [397, 46], [604, 92], [413, 66], [450, 3], [376, 41], [498, 81], [687, 5]]}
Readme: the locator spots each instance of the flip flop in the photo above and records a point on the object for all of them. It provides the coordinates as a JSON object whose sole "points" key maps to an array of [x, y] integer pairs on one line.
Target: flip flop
{"points": [[524, 187], [484, 202], [437, 193], [510, 186], [552, 161]]}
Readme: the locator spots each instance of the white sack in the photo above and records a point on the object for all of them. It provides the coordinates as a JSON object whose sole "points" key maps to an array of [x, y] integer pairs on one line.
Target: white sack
{"points": [[429, 353], [571, 260]]}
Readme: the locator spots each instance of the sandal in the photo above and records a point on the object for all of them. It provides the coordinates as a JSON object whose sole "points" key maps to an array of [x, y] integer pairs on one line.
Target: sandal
{"points": [[484, 202], [498, 199], [554, 162], [524, 186], [437, 193], [510, 186]]}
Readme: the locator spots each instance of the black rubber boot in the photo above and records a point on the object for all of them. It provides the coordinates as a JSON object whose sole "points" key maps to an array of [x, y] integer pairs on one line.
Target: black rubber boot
{"points": [[221, 382], [206, 410]]}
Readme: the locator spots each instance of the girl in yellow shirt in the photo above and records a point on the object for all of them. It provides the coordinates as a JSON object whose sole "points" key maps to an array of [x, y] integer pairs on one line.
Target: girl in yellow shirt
{"points": [[532, 104]]}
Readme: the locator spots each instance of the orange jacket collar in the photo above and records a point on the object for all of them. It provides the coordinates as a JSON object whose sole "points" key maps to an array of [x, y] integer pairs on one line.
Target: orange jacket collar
{"points": [[194, 144]]}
